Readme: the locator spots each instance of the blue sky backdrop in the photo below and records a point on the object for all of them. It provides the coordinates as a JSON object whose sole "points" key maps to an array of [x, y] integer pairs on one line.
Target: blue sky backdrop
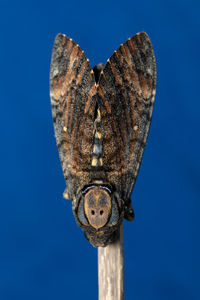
{"points": [[43, 253]]}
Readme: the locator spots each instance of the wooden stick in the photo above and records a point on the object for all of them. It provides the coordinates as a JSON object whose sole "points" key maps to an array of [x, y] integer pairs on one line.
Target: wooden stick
{"points": [[111, 270]]}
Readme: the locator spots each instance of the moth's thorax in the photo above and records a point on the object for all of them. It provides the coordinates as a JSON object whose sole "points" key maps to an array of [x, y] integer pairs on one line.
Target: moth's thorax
{"points": [[99, 211], [97, 207]]}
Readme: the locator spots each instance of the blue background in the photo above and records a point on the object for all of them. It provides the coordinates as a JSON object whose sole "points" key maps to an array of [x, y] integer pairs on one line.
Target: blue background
{"points": [[43, 254]]}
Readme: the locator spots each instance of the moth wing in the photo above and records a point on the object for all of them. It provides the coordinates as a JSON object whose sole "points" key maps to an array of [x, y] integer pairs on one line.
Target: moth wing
{"points": [[72, 91], [126, 94]]}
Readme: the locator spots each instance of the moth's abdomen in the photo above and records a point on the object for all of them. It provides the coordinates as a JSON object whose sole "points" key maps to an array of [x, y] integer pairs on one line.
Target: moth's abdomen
{"points": [[97, 147]]}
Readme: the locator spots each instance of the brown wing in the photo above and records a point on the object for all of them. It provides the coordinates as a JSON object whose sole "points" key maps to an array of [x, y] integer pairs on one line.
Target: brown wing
{"points": [[126, 94], [72, 90]]}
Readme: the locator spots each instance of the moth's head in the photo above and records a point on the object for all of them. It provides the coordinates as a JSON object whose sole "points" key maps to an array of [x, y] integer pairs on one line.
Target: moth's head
{"points": [[99, 213]]}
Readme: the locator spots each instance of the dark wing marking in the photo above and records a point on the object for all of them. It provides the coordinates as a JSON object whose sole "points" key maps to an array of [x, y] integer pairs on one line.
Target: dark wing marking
{"points": [[72, 90], [126, 94]]}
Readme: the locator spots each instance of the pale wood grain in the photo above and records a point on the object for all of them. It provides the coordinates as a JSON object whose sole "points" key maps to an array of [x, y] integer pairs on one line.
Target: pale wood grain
{"points": [[111, 270]]}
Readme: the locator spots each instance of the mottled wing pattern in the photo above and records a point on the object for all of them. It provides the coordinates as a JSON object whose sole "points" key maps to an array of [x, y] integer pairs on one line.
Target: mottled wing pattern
{"points": [[126, 94], [72, 90]]}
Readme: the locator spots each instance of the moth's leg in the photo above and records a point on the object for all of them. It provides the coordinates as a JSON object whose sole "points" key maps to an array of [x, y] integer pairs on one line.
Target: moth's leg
{"points": [[66, 194], [128, 210]]}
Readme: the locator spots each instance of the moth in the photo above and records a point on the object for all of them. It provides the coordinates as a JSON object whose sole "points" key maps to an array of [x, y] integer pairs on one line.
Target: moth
{"points": [[101, 119]]}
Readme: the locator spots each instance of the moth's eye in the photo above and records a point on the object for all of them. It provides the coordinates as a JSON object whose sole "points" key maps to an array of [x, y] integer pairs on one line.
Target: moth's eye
{"points": [[97, 206]]}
